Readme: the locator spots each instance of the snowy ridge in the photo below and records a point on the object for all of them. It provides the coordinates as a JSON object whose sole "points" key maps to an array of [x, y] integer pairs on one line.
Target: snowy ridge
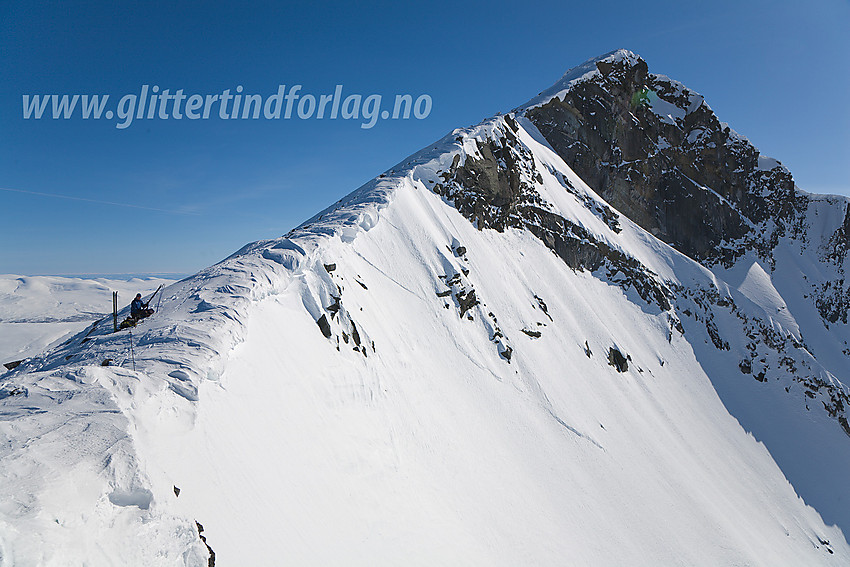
{"points": [[576, 74], [41, 311], [199, 321], [472, 358]]}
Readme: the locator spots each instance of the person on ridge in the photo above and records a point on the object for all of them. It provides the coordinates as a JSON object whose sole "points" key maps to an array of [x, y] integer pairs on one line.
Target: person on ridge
{"points": [[139, 309]]}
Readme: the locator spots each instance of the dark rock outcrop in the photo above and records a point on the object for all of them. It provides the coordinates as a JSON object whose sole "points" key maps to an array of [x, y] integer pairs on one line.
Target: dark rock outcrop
{"points": [[617, 360], [496, 191], [667, 163]]}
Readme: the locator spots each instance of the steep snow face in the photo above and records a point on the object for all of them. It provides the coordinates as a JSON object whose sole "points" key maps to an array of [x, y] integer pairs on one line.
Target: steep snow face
{"points": [[472, 359], [657, 153], [430, 429]]}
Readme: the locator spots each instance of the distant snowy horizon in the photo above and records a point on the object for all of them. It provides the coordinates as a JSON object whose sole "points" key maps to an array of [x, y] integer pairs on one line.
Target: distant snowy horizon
{"points": [[96, 276]]}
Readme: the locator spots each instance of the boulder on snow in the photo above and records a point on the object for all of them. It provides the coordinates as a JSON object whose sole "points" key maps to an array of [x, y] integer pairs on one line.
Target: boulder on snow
{"points": [[324, 326], [617, 360]]}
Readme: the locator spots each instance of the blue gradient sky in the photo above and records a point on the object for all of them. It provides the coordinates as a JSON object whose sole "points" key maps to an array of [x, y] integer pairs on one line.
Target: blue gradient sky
{"points": [[776, 71]]}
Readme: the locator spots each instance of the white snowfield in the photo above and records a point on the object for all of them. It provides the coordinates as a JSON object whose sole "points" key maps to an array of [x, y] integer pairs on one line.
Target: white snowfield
{"points": [[417, 432], [37, 311]]}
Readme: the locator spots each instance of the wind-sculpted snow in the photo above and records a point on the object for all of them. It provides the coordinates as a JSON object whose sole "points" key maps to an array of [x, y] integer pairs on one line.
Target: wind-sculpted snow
{"points": [[474, 358], [122, 385]]}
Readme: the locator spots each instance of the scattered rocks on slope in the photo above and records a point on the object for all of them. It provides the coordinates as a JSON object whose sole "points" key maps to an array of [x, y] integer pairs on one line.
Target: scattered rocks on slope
{"points": [[543, 306], [340, 324], [466, 301], [773, 356]]}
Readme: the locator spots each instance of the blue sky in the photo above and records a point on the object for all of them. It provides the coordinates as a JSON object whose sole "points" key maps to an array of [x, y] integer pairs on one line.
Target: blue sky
{"points": [[776, 71]]}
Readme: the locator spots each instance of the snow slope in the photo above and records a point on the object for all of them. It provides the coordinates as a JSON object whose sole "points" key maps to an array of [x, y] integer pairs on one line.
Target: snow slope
{"points": [[394, 382]]}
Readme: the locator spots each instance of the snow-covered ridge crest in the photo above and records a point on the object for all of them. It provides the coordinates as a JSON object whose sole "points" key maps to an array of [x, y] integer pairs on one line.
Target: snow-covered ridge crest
{"points": [[663, 103], [204, 312], [202, 318], [163, 361], [579, 73]]}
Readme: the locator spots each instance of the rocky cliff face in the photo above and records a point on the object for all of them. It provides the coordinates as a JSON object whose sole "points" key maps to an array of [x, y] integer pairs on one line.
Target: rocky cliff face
{"points": [[657, 153]]}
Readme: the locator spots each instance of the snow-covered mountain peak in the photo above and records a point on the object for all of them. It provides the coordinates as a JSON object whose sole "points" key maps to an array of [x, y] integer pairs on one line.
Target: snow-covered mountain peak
{"points": [[601, 326], [581, 72]]}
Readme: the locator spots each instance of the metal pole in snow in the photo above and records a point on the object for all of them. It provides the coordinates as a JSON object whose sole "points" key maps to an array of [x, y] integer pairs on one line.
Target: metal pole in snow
{"points": [[114, 311], [132, 354]]}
